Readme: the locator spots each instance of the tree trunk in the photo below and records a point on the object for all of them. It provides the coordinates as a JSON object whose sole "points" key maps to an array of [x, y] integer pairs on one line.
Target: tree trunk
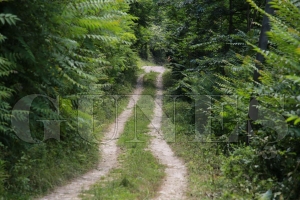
{"points": [[263, 45], [263, 40], [248, 18], [230, 26]]}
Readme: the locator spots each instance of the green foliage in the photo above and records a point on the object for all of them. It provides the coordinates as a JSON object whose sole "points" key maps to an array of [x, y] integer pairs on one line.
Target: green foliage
{"points": [[148, 28], [275, 144], [3, 175], [210, 57], [60, 50], [8, 18], [200, 158], [241, 160]]}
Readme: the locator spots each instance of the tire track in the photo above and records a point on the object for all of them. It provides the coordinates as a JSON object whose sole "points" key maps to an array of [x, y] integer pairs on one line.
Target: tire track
{"points": [[109, 153], [174, 184]]}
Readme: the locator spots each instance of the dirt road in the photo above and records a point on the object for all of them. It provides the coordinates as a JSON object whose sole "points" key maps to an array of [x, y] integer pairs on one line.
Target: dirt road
{"points": [[109, 153], [174, 183]]}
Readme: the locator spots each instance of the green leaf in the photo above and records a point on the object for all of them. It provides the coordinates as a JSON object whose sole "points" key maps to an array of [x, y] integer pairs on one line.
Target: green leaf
{"points": [[266, 196], [8, 18], [292, 118]]}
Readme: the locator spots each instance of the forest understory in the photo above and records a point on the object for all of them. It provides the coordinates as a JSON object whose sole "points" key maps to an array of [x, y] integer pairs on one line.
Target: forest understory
{"points": [[217, 116]]}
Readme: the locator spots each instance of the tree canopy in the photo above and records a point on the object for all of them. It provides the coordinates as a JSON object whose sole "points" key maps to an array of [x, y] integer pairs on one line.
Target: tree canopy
{"points": [[238, 59], [246, 67]]}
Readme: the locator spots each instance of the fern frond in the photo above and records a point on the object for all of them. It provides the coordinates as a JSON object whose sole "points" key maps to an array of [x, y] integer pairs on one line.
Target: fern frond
{"points": [[28, 51], [93, 4], [8, 18], [2, 38], [101, 38]]}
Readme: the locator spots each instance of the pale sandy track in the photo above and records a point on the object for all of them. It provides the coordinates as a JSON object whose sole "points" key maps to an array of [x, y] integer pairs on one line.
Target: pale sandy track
{"points": [[109, 153], [174, 184]]}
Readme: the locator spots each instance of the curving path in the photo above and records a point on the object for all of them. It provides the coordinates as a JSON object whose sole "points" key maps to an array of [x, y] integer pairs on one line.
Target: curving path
{"points": [[174, 184]]}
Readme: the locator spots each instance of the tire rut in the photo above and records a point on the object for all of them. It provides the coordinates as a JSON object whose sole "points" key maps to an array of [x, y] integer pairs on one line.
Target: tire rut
{"points": [[174, 184], [109, 153]]}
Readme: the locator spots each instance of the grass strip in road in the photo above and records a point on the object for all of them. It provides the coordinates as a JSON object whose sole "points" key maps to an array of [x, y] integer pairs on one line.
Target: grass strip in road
{"points": [[140, 173]]}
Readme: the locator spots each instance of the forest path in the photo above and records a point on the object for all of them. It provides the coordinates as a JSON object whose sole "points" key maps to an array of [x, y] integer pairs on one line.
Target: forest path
{"points": [[175, 182], [109, 153]]}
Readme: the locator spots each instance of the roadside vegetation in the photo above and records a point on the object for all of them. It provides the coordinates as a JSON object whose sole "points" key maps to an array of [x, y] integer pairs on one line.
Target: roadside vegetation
{"points": [[234, 67], [65, 52], [234, 75]]}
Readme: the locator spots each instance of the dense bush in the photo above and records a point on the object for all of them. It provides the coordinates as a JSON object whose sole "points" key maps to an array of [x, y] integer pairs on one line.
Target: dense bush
{"points": [[59, 49], [214, 52]]}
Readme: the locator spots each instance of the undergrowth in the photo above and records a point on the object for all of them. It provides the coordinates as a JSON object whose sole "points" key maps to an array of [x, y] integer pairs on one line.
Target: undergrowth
{"points": [[203, 160], [51, 163], [57, 51], [142, 62]]}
